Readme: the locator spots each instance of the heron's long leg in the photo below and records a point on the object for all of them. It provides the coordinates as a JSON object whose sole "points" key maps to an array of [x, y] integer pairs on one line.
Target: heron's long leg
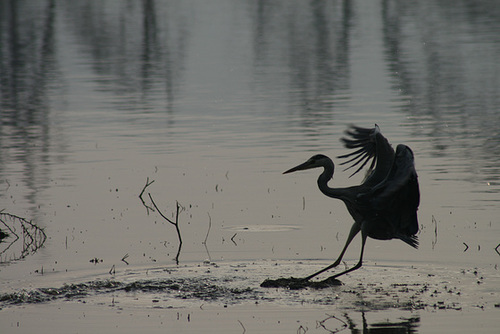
{"points": [[354, 231], [360, 262]]}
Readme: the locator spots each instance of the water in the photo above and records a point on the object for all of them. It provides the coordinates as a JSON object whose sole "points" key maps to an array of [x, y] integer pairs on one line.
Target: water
{"points": [[212, 101]]}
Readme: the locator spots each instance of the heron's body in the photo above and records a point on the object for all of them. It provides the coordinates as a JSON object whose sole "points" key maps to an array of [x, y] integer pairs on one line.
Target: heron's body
{"points": [[385, 205]]}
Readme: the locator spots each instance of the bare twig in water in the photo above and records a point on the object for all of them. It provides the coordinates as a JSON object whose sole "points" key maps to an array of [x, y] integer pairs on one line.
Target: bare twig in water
{"points": [[8, 186], [112, 270], [124, 258], [232, 239], [25, 236], [336, 330], [148, 208], [206, 237], [302, 330], [244, 329], [209, 227], [175, 223], [434, 242], [466, 247], [496, 249]]}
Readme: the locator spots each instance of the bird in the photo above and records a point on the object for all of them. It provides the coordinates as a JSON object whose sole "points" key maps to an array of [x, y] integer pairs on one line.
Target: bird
{"points": [[384, 206]]}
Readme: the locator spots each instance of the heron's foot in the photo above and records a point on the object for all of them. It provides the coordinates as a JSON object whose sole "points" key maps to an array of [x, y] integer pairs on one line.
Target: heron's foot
{"points": [[299, 283], [292, 283], [326, 283]]}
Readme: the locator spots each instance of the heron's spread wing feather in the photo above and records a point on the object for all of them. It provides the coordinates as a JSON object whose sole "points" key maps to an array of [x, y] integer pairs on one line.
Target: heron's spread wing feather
{"points": [[364, 139]]}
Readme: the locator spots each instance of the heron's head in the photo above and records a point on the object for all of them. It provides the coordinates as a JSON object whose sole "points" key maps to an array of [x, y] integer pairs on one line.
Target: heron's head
{"points": [[318, 160]]}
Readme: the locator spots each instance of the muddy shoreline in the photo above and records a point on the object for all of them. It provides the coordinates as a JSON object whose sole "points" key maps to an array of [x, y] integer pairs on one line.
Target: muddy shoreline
{"points": [[377, 297]]}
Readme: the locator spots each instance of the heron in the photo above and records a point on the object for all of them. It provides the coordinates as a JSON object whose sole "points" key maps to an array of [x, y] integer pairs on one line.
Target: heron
{"points": [[384, 206]]}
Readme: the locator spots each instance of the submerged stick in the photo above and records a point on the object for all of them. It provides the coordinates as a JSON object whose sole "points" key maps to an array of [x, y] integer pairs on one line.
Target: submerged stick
{"points": [[434, 242], [206, 237], [244, 329], [124, 259], [232, 239], [175, 223], [30, 236], [209, 227], [148, 208], [466, 247], [336, 330]]}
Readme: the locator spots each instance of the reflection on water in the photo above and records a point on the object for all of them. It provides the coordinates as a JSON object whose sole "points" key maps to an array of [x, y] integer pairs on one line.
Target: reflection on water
{"points": [[137, 51], [333, 324], [443, 62], [28, 68], [284, 59], [313, 42]]}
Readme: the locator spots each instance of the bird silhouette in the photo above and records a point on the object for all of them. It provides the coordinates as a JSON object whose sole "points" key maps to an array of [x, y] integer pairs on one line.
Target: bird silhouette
{"points": [[384, 206]]}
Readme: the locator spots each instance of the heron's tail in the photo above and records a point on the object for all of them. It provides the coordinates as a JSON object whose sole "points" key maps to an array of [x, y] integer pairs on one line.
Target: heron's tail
{"points": [[411, 240]]}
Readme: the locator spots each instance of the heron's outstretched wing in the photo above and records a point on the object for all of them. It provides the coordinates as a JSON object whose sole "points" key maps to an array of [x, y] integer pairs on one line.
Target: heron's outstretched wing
{"points": [[402, 176], [398, 196], [372, 146]]}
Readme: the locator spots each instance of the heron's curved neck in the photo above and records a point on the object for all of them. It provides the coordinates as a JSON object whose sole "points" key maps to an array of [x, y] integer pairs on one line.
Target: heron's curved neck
{"points": [[323, 182]]}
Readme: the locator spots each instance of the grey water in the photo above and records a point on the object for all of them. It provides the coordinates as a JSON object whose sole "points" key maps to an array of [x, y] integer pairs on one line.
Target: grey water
{"points": [[213, 100]]}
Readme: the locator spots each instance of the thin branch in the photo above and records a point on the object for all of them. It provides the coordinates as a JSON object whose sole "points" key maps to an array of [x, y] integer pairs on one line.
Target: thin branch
{"points": [[148, 208], [232, 239], [159, 211], [176, 224], [244, 329], [209, 227], [434, 242], [206, 237], [31, 235], [336, 330], [302, 330]]}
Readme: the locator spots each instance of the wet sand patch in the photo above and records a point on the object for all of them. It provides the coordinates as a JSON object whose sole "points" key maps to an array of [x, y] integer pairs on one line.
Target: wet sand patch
{"points": [[372, 288]]}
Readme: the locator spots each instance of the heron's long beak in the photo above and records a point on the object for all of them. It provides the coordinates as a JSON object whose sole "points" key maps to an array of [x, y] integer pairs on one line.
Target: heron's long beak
{"points": [[304, 166]]}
